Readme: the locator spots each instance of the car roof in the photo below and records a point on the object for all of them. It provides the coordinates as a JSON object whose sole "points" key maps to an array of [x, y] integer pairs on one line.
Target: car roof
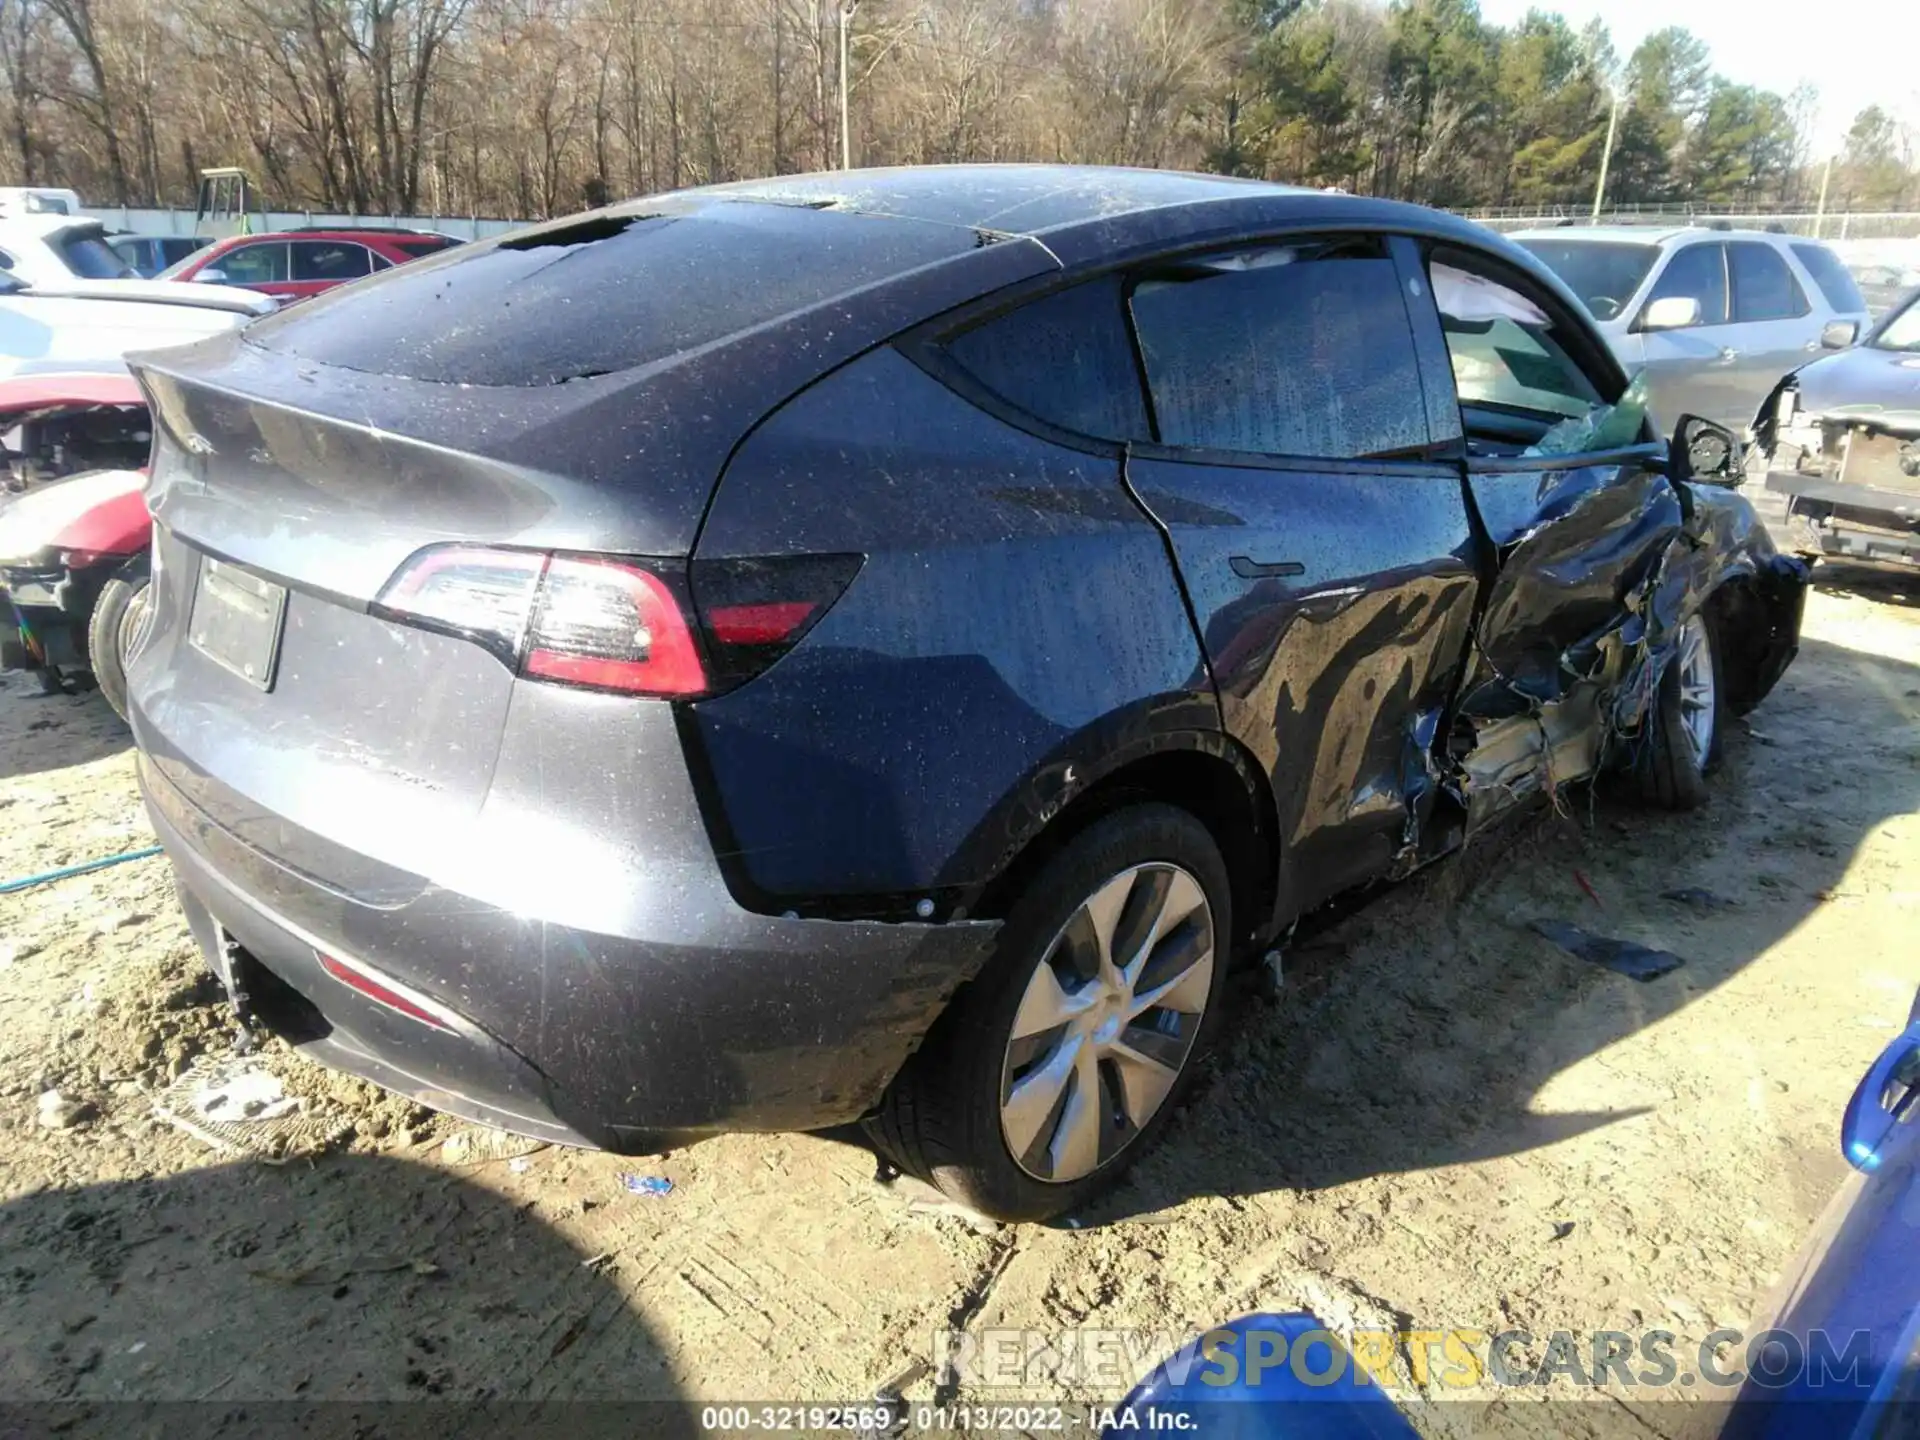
{"points": [[1002, 199], [569, 344], [1650, 234], [40, 225]]}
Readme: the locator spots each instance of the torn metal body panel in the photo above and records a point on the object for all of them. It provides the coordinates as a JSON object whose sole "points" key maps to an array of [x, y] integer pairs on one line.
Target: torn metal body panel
{"points": [[1839, 446], [1591, 591]]}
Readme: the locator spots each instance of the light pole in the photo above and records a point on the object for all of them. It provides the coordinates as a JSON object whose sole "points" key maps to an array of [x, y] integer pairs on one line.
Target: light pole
{"points": [[846, 136], [1606, 159], [1820, 214]]}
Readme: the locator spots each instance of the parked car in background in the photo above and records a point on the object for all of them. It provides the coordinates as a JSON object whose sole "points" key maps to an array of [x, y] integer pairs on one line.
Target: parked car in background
{"points": [[69, 324], [150, 254], [1838, 449], [1712, 318], [882, 645], [74, 529], [294, 264], [50, 249], [38, 200], [1885, 285]]}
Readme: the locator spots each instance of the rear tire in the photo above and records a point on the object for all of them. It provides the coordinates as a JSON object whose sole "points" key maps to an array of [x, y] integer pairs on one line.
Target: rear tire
{"points": [[110, 631], [1080, 1067], [1681, 743]]}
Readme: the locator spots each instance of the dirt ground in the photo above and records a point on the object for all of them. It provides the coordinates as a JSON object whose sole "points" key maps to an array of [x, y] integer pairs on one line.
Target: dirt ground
{"points": [[1443, 1121]]}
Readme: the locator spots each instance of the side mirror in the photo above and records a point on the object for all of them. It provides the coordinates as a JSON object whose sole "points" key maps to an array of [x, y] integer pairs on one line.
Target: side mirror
{"points": [[1671, 312], [1839, 334], [212, 275], [1703, 452]]}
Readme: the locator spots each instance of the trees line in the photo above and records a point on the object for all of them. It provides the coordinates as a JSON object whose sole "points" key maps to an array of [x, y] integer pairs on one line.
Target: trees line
{"points": [[538, 107]]}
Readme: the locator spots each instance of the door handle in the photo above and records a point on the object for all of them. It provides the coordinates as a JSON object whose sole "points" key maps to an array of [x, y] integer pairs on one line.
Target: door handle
{"points": [[1249, 569], [1729, 354]]}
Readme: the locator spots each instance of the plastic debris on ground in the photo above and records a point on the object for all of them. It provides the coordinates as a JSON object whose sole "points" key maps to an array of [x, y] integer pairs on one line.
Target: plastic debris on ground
{"points": [[921, 1198], [56, 1112], [477, 1145], [243, 1092], [655, 1186], [237, 1106], [1635, 961]]}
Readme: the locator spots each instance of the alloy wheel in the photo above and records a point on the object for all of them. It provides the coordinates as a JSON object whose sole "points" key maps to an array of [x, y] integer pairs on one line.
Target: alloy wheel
{"points": [[1698, 701], [1107, 1022]]}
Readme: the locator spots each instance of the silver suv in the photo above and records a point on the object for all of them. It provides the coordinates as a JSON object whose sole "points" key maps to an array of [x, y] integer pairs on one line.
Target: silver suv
{"points": [[1713, 317]]}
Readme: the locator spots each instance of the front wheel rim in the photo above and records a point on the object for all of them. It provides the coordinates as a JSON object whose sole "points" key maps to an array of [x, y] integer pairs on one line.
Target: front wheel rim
{"points": [[1107, 1022], [1698, 701]]}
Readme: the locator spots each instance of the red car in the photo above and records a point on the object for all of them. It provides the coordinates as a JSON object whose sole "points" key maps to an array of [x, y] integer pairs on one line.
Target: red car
{"points": [[293, 264], [74, 529]]}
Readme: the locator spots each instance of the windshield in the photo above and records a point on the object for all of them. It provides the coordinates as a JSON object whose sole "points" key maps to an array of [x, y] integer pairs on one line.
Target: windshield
{"points": [[1603, 273], [88, 255], [1900, 330]]}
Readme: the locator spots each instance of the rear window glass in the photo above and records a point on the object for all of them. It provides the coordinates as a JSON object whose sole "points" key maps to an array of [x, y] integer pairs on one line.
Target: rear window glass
{"points": [[601, 293], [88, 255], [427, 245], [1763, 286], [1294, 350], [1833, 278], [1064, 358]]}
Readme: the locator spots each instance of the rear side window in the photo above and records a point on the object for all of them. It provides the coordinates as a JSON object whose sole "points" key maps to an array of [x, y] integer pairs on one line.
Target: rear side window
{"points": [[329, 260], [252, 264], [1763, 286], [427, 245], [1697, 272], [1299, 350], [1064, 358], [1833, 278]]}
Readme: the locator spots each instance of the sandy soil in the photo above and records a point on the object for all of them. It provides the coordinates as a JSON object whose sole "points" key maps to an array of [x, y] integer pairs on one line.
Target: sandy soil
{"points": [[1443, 1121]]}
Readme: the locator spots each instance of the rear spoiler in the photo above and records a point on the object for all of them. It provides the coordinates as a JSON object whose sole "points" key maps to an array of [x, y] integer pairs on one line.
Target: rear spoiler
{"points": [[159, 292]]}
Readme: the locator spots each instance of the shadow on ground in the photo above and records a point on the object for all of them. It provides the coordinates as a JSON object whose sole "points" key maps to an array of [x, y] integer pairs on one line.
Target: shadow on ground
{"points": [[1869, 582], [54, 732], [326, 1298]]}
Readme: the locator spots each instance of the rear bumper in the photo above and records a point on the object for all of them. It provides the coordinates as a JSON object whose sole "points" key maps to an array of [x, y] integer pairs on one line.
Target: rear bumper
{"points": [[55, 603], [705, 1018], [1861, 523]]}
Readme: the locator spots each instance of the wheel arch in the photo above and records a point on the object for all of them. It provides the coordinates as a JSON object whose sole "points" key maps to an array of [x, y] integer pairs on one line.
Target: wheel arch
{"points": [[1204, 772]]}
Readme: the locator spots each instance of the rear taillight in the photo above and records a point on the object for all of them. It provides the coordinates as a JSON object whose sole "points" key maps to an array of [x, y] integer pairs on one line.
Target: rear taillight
{"points": [[480, 595], [755, 610], [617, 623], [609, 625]]}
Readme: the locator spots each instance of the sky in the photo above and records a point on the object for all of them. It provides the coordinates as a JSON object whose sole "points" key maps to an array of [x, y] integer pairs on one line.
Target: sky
{"points": [[1857, 53]]}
